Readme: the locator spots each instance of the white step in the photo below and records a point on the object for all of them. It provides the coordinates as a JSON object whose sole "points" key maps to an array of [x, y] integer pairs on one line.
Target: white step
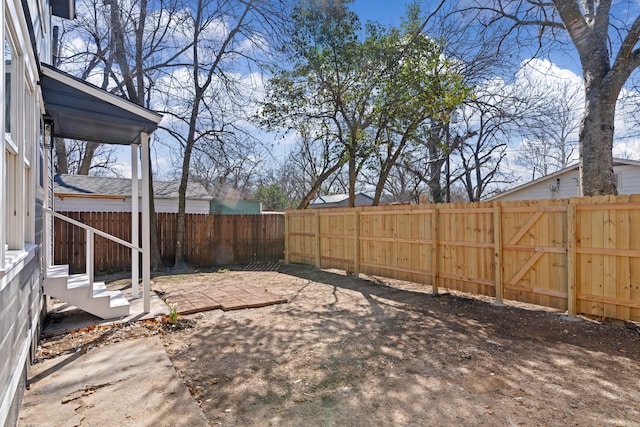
{"points": [[74, 289]]}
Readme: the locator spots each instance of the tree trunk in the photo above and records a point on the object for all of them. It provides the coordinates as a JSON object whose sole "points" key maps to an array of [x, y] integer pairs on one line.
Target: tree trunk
{"points": [[182, 204], [352, 176], [156, 257], [435, 170], [304, 204], [389, 163], [596, 143], [87, 159], [62, 161], [182, 191]]}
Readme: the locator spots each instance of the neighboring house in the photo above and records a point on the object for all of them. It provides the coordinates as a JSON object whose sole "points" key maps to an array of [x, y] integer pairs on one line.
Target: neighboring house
{"points": [[81, 193], [340, 200], [565, 183], [236, 206], [40, 103]]}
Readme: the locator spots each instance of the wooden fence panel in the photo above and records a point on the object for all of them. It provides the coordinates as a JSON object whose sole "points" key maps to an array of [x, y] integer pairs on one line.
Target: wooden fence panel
{"points": [[525, 249], [396, 242], [209, 239], [301, 237], [467, 248], [337, 239], [608, 250]]}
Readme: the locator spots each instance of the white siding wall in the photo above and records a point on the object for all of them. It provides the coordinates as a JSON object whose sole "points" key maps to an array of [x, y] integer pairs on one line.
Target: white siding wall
{"points": [[542, 190], [21, 301], [629, 179], [21, 304], [80, 204], [628, 175]]}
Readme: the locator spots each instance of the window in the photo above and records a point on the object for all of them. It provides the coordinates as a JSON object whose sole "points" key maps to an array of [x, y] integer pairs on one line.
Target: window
{"points": [[17, 152], [9, 90]]}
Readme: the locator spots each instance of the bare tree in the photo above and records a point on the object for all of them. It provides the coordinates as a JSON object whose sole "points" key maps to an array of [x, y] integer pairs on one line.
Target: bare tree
{"points": [[488, 122], [207, 96], [551, 134], [83, 158], [309, 167], [225, 167], [126, 49], [607, 47]]}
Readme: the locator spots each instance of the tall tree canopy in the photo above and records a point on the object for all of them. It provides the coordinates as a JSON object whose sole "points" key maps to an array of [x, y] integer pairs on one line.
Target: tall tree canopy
{"points": [[367, 95]]}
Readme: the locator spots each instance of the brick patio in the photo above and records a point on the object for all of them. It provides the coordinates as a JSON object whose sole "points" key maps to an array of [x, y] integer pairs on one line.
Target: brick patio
{"points": [[213, 297]]}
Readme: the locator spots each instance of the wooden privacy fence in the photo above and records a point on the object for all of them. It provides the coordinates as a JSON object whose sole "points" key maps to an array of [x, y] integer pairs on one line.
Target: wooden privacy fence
{"points": [[580, 255], [210, 239]]}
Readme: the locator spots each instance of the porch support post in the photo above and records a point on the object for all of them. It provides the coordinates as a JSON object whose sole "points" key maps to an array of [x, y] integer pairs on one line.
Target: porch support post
{"points": [[47, 220], [135, 241], [146, 228], [3, 195]]}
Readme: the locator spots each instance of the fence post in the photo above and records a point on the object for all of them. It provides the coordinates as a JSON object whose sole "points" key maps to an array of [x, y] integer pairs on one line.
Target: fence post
{"points": [[571, 258], [317, 238], [286, 237], [497, 253], [434, 250], [356, 243]]}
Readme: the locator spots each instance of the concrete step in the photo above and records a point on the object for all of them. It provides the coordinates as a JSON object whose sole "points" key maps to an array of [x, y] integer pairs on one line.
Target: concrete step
{"points": [[75, 290]]}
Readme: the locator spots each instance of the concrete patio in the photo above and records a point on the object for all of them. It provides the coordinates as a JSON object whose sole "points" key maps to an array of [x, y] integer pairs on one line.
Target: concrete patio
{"points": [[127, 383]]}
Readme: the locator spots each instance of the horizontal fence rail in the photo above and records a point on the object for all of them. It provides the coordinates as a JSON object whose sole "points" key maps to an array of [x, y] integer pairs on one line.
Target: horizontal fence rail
{"points": [[581, 255], [210, 239]]}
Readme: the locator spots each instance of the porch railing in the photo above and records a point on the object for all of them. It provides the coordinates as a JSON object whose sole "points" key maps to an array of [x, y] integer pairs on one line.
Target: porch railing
{"points": [[90, 233]]}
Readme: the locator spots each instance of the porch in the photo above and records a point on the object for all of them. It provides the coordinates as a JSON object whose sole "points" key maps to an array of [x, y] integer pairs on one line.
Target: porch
{"points": [[78, 110]]}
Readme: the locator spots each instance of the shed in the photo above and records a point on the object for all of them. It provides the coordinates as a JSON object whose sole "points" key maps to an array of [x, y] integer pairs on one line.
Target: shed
{"points": [[231, 206]]}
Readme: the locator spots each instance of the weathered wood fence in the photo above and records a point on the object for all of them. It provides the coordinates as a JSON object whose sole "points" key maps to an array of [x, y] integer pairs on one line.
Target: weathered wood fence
{"points": [[209, 239], [580, 255]]}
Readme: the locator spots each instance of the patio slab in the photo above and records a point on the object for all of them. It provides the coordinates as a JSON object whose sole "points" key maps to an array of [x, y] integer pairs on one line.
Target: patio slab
{"points": [[225, 297], [130, 383]]}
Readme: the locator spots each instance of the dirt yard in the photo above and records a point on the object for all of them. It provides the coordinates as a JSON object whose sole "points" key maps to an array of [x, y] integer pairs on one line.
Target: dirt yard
{"points": [[362, 352]]}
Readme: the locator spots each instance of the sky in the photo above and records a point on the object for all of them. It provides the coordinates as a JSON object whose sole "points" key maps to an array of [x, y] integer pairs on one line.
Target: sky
{"points": [[385, 12], [390, 13], [565, 66]]}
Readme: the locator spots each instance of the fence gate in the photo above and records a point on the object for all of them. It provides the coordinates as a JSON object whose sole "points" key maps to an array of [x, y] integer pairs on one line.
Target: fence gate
{"points": [[534, 253]]}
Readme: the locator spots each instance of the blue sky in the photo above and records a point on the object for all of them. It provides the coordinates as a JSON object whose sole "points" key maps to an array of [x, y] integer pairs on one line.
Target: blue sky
{"points": [[390, 12], [385, 12]]}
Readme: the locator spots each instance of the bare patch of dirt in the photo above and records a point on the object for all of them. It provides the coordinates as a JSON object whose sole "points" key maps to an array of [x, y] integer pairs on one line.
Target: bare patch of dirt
{"points": [[372, 351]]}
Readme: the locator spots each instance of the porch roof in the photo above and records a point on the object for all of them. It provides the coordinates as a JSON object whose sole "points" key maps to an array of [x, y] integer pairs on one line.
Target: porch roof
{"points": [[80, 110]]}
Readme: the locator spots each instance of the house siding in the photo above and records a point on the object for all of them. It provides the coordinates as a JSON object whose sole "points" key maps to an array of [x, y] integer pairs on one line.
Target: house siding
{"points": [[629, 179], [567, 185], [21, 301], [20, 319], [235, 207], [82, 204]]}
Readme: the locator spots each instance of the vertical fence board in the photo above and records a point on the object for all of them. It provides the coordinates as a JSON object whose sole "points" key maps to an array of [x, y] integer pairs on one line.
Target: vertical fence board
{"points": [[571, 259], [634, 262]]}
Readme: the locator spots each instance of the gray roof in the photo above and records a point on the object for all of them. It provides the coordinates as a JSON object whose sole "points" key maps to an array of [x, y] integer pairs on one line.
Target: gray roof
{"points": [[80, 110], [336, 198], [106, 186]]}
